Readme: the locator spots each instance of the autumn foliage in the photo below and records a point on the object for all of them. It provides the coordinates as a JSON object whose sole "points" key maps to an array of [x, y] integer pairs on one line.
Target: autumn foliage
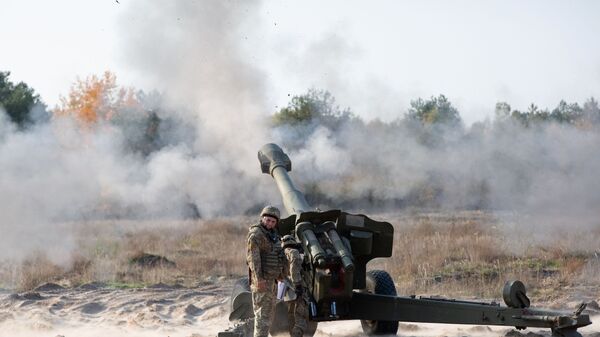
{"points": [[96, 99]]}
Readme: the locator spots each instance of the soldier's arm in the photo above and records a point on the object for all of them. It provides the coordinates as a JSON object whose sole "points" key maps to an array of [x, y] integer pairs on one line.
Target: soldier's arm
{"points": [[295, 263], [253, 257], [286, 265]]}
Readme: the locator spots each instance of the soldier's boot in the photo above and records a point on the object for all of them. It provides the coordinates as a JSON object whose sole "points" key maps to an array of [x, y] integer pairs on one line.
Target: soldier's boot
{"points": [[297, 332], [300, 317]]}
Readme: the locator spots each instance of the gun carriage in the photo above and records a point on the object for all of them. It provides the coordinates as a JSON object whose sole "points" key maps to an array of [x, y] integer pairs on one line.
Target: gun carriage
{"points": [[337, 247]]}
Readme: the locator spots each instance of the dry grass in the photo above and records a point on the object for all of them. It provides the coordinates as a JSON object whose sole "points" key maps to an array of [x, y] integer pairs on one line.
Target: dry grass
{"points": [[37, 269], [458, 254], [474, 253], [201, 250]]}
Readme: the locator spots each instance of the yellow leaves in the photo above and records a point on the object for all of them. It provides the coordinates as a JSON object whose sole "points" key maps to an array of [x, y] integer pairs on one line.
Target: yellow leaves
{"points": [[96, 99]]}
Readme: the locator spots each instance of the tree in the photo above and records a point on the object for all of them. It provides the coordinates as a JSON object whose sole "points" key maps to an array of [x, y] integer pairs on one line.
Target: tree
{"points": [[502, 110], [590, 115], [566, 113], [316, 106], [95, 99], [18, 100], [563, 113], [521, 117], [434, 111], [433, 122], [537, 115], [134, 113], [590, 107]]}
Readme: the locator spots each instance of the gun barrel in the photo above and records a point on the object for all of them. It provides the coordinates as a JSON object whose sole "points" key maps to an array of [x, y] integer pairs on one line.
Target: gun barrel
{"points": [[315, 249], [276, 163], [341, 249]]}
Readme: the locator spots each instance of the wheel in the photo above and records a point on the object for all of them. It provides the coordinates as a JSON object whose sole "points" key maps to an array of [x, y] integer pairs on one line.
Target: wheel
{"points": [[379, 282], [241, 300], [565, 333], [241, 284]]}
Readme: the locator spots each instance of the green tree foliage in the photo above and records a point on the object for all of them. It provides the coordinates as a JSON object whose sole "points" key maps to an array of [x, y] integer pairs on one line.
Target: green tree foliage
{"points": [[434, 111], [433, 122], [315, 107], [536, 115], [18, 100], [564, 113]]}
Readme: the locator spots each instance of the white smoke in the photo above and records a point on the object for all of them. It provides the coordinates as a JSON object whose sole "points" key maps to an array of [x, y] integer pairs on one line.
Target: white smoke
{"points": [[547, 169], [203, 67]]}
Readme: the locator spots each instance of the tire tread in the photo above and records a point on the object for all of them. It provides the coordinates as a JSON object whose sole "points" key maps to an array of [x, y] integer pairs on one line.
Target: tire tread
{"points": [[383, 285]]}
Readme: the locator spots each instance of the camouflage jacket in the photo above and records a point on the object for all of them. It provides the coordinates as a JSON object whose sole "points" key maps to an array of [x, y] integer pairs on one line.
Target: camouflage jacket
{"points": [[264, 255]]}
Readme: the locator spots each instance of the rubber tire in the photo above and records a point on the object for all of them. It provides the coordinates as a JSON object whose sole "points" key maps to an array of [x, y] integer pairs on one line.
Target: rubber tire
{"points": [[379, 282], [242, 283], [242, 298]]}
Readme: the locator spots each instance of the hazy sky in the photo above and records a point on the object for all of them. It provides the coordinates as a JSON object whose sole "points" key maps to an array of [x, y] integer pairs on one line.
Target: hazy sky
{"points": [[373, 56]]}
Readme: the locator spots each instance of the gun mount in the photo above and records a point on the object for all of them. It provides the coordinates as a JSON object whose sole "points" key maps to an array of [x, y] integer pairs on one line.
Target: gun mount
{"points": [[338, 246]]}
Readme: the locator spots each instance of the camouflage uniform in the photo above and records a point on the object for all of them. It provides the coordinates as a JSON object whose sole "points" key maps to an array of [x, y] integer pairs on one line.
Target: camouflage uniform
{"points": [[265, 260], [298, 308]]}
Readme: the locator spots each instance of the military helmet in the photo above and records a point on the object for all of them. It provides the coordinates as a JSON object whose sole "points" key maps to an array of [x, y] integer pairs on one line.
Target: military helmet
{"points": [[288, 241], [271, 211]]}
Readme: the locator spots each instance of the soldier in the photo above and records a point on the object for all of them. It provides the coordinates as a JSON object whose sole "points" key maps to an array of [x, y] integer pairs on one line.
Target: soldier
{"points": [[266, 262], [297, 308]]}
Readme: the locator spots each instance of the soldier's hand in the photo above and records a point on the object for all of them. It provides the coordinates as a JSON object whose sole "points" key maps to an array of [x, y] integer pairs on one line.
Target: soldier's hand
{"points": [[261, 285]]}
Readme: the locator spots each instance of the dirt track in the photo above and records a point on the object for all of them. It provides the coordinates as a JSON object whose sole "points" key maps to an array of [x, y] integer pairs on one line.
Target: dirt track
{"points": [[94, 310]]}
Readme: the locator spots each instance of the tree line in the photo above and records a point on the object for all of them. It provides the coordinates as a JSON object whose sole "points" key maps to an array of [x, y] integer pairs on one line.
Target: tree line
{"points": [[433, 124], [318, 107], [100, 98]]}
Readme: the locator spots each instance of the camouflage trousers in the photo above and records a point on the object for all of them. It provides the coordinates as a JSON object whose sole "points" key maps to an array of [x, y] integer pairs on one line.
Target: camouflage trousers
{"points": [[264, 309], [298, 316]]}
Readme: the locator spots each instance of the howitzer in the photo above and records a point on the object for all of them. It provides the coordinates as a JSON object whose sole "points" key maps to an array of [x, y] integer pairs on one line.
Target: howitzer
{"points": [[338, 246]]}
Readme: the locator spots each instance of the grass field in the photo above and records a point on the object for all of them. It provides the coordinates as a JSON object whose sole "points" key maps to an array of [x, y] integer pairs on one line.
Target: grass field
{"points": [[452, 253]]}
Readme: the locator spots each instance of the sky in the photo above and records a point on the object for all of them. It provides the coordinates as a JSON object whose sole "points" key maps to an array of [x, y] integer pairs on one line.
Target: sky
{"points": [[373, 57]]}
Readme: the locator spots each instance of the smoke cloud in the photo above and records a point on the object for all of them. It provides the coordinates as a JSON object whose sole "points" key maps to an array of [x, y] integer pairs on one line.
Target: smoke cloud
{"points": [[548, 170]]}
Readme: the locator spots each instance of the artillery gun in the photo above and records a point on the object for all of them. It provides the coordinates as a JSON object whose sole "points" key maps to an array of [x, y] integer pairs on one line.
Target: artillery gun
{"points": [[338, 246]]}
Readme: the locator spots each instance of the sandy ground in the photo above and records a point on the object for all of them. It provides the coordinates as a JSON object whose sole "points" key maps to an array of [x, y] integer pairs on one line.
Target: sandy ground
{"points": [[94, 310]]}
